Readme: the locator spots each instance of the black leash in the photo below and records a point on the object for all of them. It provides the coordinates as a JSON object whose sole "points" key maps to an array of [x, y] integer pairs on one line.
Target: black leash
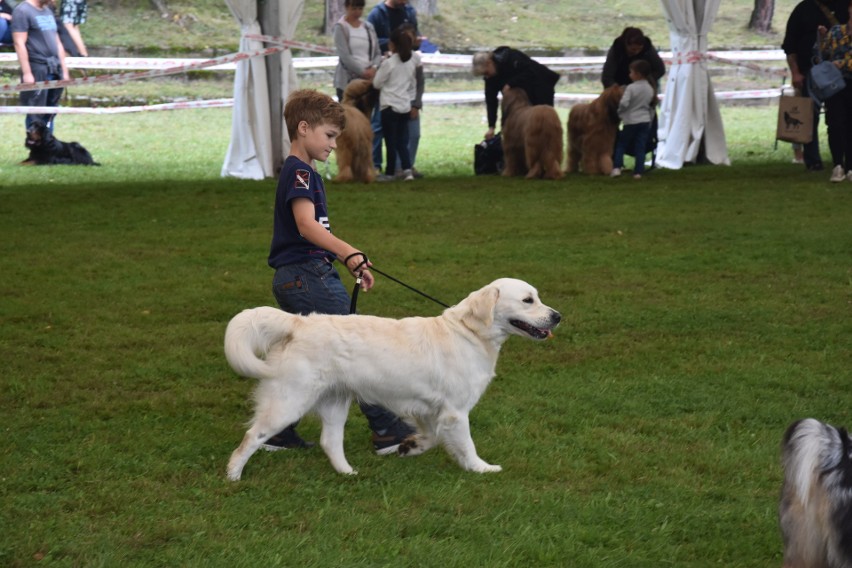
{"points": [[363, 262]]}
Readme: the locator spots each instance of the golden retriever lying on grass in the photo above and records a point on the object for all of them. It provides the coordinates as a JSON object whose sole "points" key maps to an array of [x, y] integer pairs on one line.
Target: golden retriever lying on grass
{"points": [[431, 371], [532, 138]]}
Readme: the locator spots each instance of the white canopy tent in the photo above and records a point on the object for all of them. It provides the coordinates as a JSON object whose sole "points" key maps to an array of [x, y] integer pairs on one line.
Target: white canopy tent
{"points": [[690, 128], [251, 152]]}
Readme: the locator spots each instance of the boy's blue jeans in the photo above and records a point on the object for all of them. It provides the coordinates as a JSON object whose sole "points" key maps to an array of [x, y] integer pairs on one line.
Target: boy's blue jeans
{"points": [[633, 137], [315, 287]]}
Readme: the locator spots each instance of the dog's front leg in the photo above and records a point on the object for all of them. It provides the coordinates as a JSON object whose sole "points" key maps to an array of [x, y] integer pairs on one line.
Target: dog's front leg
{"points": [[454, 431], [333, 413]]}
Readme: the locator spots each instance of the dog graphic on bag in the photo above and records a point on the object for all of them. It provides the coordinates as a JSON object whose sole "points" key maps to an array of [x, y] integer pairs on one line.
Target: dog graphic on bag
{"points": [[791, 121]]}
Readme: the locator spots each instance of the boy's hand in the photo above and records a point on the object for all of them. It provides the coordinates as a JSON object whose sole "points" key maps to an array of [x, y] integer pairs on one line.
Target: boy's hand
{"points": [[367, 280], [357, 264]]}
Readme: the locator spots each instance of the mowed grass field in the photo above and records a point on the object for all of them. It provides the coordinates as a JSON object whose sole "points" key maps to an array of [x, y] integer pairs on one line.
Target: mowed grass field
{"points": [[704, 310]]}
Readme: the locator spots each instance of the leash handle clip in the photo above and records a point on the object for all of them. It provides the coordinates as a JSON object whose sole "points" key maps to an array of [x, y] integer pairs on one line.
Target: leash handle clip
{"points": [[357, 271]]}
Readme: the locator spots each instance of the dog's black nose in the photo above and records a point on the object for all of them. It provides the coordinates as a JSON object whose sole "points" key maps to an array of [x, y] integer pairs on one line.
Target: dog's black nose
{"points": [[555, 317]]}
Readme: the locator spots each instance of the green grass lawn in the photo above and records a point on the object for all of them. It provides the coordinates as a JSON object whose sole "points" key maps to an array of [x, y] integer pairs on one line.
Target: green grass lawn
{"points": [[704, 310]]}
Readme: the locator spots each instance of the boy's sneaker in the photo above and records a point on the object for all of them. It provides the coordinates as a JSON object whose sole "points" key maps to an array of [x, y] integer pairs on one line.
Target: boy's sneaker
{"points": [[388, 441], [407, 175], [637, 176], [417, 175], [849, 175], [385, 177], [837, 174], [286, 439], [615, 172]]}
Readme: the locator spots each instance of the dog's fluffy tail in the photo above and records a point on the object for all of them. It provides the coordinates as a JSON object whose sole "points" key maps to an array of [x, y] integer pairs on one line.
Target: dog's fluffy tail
{"points": [[816, 520], [250, 335]]}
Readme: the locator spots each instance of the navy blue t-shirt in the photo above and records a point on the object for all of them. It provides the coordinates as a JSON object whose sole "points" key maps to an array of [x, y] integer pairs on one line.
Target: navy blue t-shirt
{"points": [[297, 179]]}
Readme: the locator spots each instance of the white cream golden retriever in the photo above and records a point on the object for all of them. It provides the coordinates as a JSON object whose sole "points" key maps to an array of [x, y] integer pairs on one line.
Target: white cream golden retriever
{"points": [[431, 371]]}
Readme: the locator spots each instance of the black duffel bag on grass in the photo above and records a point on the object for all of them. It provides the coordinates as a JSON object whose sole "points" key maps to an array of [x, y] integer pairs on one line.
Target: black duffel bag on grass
{"points": [[488, 156]]}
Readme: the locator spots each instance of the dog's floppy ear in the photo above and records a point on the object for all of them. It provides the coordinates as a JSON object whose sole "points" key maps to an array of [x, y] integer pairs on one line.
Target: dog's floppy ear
{"points": [[480, 308]]}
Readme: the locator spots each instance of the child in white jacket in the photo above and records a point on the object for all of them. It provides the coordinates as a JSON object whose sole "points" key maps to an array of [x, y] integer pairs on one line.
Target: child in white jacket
{"points": [[636, 111], [396, 79]]}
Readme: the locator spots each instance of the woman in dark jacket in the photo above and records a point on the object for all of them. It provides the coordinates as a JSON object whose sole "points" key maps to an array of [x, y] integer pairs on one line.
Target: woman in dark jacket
{"points": [[509, 67], [627, 48]]}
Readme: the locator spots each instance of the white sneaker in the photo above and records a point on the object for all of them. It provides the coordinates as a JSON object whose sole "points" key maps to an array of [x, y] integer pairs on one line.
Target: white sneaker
{"points": [[837, 174], [615, 172], [407, 175], [849, 175]]}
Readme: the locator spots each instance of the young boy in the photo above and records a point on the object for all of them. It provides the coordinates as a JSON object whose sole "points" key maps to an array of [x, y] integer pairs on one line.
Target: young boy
{"points": [[636, 111], [303, 247]]}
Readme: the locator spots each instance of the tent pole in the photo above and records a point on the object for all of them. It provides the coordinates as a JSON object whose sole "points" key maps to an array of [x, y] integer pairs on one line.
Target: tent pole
{"points": [[267, 11]]}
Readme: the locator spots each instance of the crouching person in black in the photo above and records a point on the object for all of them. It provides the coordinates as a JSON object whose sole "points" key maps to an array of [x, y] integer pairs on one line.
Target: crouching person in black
{"points": [[506, 67]]}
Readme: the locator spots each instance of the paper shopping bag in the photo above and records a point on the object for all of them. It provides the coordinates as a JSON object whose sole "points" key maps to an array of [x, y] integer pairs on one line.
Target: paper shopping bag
{"points": [[795, 119]]}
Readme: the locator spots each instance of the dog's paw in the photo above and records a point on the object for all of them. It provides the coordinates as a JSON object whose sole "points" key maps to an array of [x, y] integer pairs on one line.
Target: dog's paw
{"points": [[234, 475], [486, 468]]}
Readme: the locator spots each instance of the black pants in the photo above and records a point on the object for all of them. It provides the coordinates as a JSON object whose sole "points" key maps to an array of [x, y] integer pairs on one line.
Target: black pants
{"points": [[395, 130], [42, 97], [810, 151], [838, 117]]}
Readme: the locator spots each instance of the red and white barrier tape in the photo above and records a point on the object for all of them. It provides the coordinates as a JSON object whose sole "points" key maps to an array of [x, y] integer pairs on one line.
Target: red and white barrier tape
{"points": [[565, 64], [180, 66], [123, 77], [288, 43], [213, 103], [779, 71], [436, 99], [163, 67]]}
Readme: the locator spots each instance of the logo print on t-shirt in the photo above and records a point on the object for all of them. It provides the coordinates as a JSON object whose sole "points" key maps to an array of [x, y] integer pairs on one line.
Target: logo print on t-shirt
{"points": [[303, 179]]}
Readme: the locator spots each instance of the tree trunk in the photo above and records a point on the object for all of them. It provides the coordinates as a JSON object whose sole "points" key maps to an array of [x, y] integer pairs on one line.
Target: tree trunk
{"points": [[761, 17], [160, 6], [333, 11], [426, 7]]}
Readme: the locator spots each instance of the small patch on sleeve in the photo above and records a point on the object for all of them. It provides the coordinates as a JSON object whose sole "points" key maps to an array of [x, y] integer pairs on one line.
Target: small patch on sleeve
{"points": [[303, 179]]}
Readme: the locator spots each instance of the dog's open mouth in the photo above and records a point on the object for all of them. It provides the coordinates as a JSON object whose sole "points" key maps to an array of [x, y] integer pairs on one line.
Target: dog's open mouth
{"points": [[530, 330]]}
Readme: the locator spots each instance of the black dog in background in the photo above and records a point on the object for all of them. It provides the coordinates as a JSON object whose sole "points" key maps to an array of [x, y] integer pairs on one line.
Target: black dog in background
{"points": [[816, 499], [46, 150]]}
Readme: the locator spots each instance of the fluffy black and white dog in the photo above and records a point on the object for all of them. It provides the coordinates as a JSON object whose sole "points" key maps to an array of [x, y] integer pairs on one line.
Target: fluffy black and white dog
{"points": [[46, 150], [816, 498]]}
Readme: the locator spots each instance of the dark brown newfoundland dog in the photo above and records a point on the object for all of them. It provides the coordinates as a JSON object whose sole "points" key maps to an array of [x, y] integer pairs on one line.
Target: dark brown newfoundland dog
{"points": [[592, 128], [532, 138], [355, 144]]}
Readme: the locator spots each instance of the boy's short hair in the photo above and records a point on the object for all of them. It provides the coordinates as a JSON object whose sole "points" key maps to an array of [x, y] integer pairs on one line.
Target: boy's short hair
{"points": [[640, 66], [313, 107], [354, 3]]}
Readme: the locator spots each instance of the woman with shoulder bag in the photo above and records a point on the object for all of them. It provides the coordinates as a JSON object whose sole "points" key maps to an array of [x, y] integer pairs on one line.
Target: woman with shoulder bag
{"points": [[357, 47], [835, 45]]}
